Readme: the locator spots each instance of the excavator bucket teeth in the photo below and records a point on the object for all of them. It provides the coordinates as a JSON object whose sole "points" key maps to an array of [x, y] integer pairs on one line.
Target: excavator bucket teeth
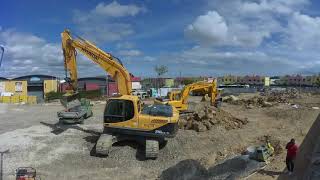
{"points": [[70, 100]]}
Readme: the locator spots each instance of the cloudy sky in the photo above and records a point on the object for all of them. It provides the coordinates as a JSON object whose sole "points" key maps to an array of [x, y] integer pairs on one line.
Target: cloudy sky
{"points": [[204, 37]]}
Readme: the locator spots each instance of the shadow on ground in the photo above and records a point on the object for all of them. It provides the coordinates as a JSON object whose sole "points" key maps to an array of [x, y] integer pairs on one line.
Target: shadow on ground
{"points": [[231, 169], [303, 161], [59, 128]]}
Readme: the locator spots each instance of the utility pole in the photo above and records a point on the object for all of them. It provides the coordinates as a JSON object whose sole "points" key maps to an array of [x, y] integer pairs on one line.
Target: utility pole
{"points": [[1, 170]]}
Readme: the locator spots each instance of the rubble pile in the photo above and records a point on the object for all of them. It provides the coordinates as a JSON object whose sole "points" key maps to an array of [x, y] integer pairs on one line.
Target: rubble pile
{"points": [[256, 101], [266, 99], [205, 119], [281, 96]]}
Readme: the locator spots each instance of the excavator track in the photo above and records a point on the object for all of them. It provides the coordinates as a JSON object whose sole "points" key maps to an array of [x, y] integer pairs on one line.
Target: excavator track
{"points": [[152, 149], [104, 144]]}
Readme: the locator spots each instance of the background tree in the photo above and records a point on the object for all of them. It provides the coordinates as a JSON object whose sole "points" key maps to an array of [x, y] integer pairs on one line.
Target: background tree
{"points": [[160, 70]]}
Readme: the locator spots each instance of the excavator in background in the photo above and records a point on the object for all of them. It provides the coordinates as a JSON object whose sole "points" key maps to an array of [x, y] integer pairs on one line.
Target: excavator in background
{"points": [[179, 99], [125, 117]]}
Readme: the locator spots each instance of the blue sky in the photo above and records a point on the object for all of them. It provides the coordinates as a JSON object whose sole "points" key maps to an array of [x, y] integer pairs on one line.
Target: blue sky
{"points": [[205, 37]]}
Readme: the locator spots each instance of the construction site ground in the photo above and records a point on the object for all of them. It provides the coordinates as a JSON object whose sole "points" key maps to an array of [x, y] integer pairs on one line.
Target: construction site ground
{"points": [[65, 152]]}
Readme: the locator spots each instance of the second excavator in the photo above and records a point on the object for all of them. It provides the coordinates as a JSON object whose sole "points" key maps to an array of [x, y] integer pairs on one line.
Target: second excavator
{"points": [[125, 117], [179, 99]]}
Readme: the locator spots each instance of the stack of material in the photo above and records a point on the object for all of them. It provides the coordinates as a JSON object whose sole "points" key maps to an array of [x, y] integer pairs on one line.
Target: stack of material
{"points": [[204, 119]]}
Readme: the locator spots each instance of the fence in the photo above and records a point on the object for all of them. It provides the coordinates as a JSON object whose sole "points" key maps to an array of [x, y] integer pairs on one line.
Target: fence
{"points": [[18, 99]]}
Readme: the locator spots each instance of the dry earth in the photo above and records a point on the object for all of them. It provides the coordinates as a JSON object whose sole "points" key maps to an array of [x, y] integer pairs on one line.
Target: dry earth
{"points": [[64, 152]]}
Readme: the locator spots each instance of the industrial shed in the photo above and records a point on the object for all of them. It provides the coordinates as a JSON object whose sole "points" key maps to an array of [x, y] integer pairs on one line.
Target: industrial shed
{"points": [[39, 85]]}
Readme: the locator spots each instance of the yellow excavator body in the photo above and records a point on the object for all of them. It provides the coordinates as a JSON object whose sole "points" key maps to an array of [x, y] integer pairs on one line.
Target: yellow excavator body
{"points": [[124, 117]]}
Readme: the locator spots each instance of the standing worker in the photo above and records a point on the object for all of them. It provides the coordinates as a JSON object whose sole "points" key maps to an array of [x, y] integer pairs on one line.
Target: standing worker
{"points": [[292, 150]]}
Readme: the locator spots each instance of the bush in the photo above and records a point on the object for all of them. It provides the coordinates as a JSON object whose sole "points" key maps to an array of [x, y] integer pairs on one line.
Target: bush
{"points": [[90, 94], [53, 95], [82, 94]]}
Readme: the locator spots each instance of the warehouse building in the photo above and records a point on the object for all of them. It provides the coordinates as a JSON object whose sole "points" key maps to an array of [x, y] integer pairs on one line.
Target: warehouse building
{"points": [[106, 85], [39, 85]]}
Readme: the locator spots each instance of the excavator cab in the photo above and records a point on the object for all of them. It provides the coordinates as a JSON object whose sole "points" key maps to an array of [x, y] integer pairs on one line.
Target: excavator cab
{"points": [[125, 118], [118, 110]]}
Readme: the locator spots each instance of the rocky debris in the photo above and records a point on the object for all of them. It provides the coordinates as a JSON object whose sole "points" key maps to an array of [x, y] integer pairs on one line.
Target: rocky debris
{"points": [[268, 98], [208, 117], [281, 96], [230, 98], [256, 101]]}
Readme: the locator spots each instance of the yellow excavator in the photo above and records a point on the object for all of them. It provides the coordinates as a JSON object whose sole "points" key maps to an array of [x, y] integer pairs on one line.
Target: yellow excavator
{"points": [[179, 99], [125, 117]]}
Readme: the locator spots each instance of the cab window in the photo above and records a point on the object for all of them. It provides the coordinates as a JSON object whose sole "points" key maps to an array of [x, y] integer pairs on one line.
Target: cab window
{"points": [[118, 110]]}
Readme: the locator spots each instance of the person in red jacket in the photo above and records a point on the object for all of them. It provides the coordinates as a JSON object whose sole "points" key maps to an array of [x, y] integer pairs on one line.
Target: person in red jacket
{"points": [[292, 150]]}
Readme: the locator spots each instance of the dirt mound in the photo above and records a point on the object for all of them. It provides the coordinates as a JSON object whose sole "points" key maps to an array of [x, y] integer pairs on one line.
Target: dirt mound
{"points": [[256, 101], [267, 98], [205, 118]]}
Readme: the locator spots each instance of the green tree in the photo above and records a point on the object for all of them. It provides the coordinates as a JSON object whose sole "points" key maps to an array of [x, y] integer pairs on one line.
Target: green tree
{"points": [[160, 70]]}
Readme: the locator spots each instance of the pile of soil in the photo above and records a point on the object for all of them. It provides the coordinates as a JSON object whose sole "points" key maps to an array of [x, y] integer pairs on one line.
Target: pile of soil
{"points": [[281, 96], [256, 101], [266, 99], [205, 118]]}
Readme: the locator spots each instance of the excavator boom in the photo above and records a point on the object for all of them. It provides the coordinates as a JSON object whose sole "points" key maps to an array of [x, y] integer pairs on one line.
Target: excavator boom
{"points": [[106, 61]]}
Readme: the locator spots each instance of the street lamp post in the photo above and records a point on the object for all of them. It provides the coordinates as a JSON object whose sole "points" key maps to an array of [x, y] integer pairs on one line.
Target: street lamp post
{"points": [[1, 170]]}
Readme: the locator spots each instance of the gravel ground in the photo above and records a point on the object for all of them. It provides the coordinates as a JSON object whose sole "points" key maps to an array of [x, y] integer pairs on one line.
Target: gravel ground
{"points": [[65, 152]]}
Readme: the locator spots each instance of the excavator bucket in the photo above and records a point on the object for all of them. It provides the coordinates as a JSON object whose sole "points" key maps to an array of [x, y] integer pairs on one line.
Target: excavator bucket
{"points": [[70, 100]]}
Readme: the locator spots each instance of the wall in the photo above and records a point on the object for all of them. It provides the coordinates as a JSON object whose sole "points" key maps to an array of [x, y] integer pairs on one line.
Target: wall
{"points": [[113, 88], [16, 87], [50, 85], [266, 81], [169, 82], [136, 85]]}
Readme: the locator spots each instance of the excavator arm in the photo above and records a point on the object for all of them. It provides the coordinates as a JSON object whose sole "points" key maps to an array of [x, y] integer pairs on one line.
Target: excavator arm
{"points": [[179, 99], [106, 61], [212, 88]]}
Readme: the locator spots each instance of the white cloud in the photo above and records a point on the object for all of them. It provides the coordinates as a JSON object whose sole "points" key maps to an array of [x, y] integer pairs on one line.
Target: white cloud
{"points": [[149, 58], [209, 28], [132, 52], [102, 24], [303, 32], [115, 9], [100, 33], [125, 45], [29, 54], [34, 69], [26, 53], [250, 23]]}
